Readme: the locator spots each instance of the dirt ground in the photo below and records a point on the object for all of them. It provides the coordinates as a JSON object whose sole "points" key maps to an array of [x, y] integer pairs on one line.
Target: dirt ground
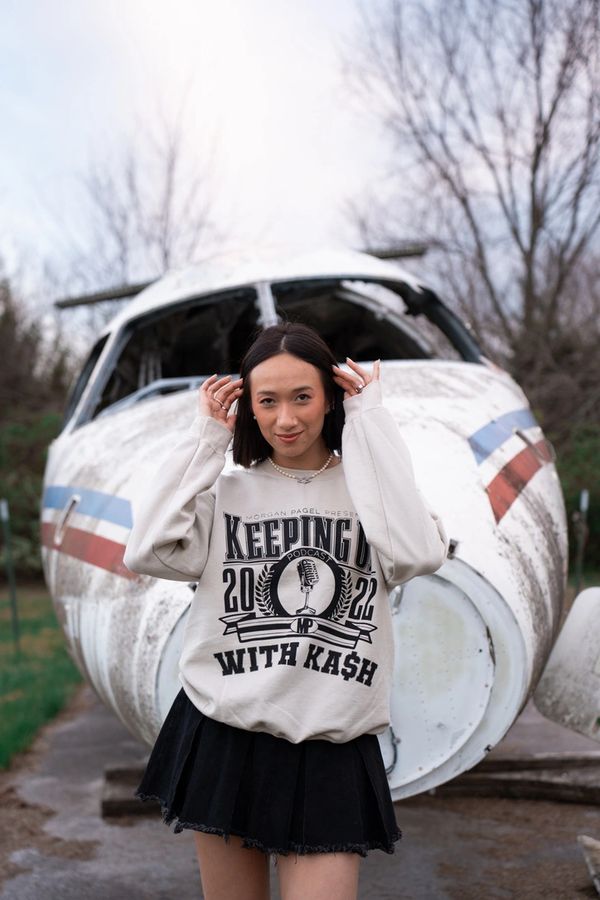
{"points": [[55, 844], [22, 824]]}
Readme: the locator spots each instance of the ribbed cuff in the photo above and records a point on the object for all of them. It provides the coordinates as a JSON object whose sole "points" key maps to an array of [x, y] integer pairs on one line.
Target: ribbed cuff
{"points": [[215, 433], [368, 398]]}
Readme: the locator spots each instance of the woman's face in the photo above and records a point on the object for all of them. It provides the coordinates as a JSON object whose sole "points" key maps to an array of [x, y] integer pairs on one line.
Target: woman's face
{"points": [[289, 402]]}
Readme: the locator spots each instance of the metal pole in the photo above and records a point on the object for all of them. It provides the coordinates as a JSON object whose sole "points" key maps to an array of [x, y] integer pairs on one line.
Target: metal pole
{"points": [[580, 520], [10, 571]]}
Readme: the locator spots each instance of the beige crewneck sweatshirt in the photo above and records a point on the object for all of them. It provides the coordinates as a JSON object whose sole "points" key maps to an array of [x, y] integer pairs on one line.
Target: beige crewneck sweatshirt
{"points": [[289, 630]]}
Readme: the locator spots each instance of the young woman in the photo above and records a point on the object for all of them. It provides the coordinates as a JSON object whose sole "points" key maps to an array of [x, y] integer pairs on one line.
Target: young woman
{"points": [[271, 744]]}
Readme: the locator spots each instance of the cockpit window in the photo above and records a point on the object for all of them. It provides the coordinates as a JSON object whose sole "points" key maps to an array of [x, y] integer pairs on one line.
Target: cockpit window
{"points": [[362, 320], [83, 378], [174, 348]]}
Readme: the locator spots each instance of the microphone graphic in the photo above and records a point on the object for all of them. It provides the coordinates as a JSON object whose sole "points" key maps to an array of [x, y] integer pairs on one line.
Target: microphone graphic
{"points": [[309, 576]]}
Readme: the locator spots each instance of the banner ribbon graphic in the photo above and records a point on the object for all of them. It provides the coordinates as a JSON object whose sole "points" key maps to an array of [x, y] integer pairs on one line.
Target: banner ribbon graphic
{"points": [[250, 627]]}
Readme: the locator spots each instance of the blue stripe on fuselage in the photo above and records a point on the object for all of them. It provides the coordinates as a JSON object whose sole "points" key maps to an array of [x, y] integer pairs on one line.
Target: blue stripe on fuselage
{"points": [[92, 503], [496, 432]]}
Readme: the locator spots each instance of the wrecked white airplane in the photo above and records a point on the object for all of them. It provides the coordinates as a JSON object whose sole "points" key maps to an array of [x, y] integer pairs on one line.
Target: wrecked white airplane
{"points": [[472, 639]]}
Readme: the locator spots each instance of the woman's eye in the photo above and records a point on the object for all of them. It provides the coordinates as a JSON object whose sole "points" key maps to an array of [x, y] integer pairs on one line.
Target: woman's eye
{"points": [[266, 401], [303, 397]]}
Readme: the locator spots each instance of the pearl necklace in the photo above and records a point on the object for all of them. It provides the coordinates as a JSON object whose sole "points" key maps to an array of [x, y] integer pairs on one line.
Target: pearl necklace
{"points": [[303, 479]]}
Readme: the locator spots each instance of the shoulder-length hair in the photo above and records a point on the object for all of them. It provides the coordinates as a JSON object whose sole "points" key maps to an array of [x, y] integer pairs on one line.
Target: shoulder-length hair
{"points": [[249, 446]]}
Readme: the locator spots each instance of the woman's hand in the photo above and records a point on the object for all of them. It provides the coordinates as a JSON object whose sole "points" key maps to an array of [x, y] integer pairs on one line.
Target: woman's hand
{"points": [[216, 397], [353, 382]]}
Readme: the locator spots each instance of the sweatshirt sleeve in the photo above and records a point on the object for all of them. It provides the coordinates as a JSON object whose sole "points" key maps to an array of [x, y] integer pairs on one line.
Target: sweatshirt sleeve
{"points": [[407, 535], [172, 520]]}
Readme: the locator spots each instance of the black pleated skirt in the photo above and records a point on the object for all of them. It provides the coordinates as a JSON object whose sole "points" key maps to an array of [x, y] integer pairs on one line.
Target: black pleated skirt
{"points": [[279, 797]]}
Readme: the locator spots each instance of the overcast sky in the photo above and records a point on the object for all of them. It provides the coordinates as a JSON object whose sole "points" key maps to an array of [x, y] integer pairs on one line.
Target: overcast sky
{"points": [[264, 86]]}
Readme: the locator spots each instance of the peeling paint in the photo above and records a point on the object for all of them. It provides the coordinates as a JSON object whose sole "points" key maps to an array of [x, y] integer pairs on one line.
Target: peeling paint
{"points": [[569, 689], [498, 599]]}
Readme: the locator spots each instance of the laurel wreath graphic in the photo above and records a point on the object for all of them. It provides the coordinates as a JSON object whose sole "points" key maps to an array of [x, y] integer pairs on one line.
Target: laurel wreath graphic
{"points": [[263, 591], [265, 604], [343, 604]]}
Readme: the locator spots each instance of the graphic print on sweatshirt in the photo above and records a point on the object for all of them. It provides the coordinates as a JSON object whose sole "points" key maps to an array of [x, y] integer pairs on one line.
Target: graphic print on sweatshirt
{"points": [[298, 590]]}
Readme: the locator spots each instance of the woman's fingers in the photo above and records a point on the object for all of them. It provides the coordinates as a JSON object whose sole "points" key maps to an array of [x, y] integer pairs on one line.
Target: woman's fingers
{"points": [[350, 384], [354, 381], [214, 383], [228, 394], [217, 388], [348, 376], [217, 395], [347, 383], [352, 378], [358, 369], [341, 382], [231, 388], [208, 383], [373, 376]]}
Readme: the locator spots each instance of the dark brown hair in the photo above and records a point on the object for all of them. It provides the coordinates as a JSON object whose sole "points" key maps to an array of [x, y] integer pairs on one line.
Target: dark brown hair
{"points": [[249, 446]]}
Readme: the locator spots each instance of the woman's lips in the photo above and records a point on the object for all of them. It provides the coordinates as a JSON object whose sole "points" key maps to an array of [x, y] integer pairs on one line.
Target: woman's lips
{"points": [[289, 438]]}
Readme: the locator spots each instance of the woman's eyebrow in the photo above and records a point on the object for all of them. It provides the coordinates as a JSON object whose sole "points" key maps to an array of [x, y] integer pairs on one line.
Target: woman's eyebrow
{"points": [[303, 387]]}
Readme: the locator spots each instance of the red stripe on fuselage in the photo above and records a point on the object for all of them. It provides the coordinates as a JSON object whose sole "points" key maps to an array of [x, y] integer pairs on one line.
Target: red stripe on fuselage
{"points": [[506, 486], [90, 548]]}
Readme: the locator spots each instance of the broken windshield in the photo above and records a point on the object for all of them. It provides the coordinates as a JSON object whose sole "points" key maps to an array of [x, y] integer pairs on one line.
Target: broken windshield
{"points": [[174, 347]]}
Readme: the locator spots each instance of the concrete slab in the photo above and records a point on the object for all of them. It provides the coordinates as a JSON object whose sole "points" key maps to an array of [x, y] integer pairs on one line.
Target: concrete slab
{"points": [[569, 772], [54, 842], [570, 785], [532, 733], [591, 853]]}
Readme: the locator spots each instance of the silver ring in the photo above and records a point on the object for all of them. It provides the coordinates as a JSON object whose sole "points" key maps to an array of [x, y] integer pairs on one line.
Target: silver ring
{"points": [[359, 388]]}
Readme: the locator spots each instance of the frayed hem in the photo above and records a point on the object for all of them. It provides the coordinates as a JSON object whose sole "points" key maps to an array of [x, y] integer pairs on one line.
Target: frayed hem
{"points": [[249, 843], [304, 849], [169, 817]]}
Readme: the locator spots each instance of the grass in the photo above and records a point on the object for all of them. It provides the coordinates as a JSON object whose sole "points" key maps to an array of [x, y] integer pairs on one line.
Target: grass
{"points": [[590, 578], [37, 682]]}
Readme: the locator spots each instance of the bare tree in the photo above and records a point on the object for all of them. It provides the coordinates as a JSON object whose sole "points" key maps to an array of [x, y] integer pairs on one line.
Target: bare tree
{"points": [[36, 362], [149, 210], [493, 108], [145, 208]]}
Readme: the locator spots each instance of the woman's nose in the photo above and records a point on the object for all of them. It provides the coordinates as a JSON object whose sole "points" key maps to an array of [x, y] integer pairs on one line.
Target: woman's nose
{"points": [[286, 417]]}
